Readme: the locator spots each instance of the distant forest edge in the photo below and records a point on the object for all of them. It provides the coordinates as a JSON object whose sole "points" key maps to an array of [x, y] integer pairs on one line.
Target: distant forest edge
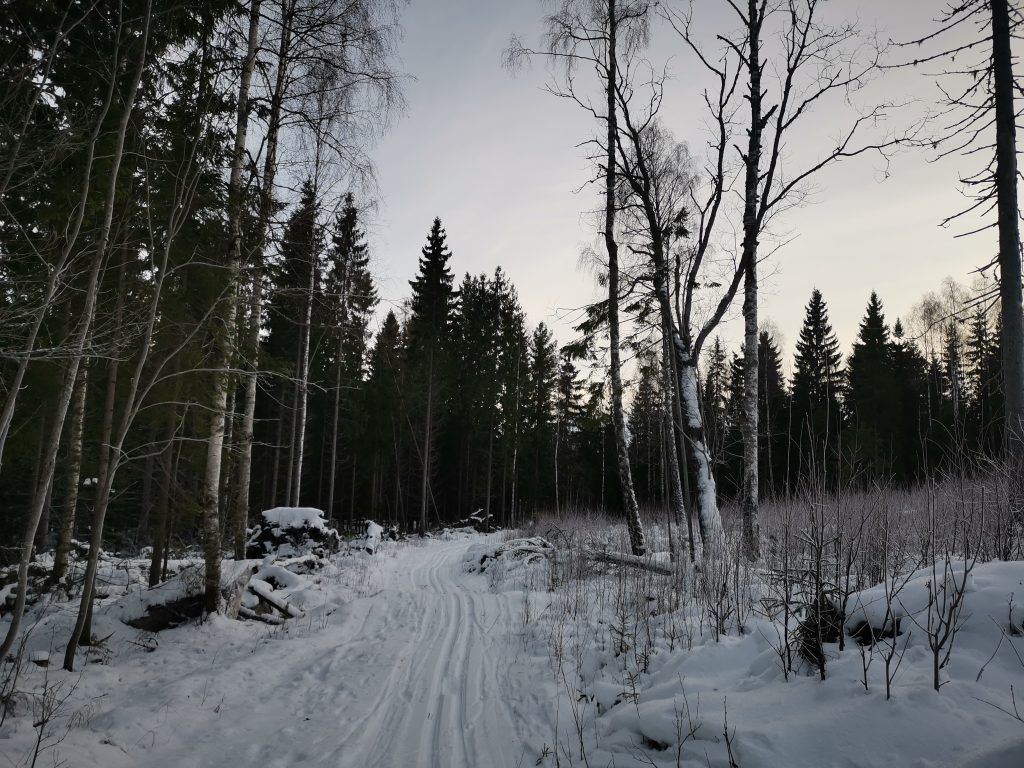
{"points": [[517, 424]]}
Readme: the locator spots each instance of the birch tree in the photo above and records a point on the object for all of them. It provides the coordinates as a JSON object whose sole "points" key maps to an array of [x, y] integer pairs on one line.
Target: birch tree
{"points": [[598, 34], [815, 65]]}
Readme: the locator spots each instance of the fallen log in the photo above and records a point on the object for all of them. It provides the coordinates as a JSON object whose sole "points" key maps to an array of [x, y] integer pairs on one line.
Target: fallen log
{"points": [[265, 592], [266, 618], [632, 561]]}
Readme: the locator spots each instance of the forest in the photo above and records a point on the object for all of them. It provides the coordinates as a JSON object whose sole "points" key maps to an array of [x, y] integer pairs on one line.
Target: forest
{"points": [[193, 329]]}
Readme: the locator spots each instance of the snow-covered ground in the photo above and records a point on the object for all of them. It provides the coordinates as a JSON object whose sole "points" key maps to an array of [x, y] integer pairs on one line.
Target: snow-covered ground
{"points": [[456, 652], [406, 661]]}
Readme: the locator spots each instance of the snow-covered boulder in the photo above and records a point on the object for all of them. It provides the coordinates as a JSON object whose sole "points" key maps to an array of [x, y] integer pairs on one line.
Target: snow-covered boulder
{"points": [[292, 532]]}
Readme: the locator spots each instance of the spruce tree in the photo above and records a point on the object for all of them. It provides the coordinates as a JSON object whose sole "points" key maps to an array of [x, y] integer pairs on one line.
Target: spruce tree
{"points": [[773, 402], [386, 425], [910, 417], [429, 330], [539, 416], [295, 286], [714, 395], [645, 427], [568, 417], [817, 383], [869, 400], [347, 305], [982, 377]]}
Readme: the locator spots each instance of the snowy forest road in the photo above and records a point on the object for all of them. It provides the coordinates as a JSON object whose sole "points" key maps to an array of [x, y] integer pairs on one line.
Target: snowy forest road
{"points": [[425, 670]]}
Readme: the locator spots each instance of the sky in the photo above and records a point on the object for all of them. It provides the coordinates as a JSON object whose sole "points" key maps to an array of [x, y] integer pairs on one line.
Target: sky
{"points": [[498, 159]]}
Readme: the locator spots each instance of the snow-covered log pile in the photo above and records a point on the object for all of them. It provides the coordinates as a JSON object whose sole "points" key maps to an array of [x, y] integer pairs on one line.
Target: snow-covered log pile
{"points": [[277, 592], [292, 531], [479, 521], [507, 555], [287, 553]]}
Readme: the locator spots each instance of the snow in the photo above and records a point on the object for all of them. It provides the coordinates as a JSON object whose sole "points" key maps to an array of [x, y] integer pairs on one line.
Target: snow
{"points": [[399, 660], [455, 651], [642, 703], [284, 518], [370, 541]]}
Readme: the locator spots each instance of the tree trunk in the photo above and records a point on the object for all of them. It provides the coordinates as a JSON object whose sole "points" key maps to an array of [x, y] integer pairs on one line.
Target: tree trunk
{"points": [[335, 420], [632, 510], [240, 507], [147, 486], [677, 501], [693, 427], [300, 417], [240, 512], [72, 477], [1009, 233], [427, 440], [751, 226], [292, 424], [163, 500], [224, 321]]}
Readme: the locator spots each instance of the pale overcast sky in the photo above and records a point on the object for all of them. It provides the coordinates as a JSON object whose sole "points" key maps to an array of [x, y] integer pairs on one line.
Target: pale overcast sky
{"points": [[496, 158]]}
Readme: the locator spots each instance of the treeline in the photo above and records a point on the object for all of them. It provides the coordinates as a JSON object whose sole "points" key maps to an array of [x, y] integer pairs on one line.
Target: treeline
{"points": [[454, 406], [896, 410]]}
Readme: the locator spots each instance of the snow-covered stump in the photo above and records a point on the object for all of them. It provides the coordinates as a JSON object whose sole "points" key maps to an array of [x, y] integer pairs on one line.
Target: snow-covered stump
{"points": [[369, 542]]}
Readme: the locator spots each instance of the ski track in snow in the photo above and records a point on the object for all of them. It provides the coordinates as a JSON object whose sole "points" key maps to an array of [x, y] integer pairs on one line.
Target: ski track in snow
{"points": [[419, 674]]}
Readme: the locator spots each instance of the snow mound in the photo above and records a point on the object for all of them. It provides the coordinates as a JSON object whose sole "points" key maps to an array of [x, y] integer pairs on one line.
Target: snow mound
{"points": [[295, 517], [909, 597]]}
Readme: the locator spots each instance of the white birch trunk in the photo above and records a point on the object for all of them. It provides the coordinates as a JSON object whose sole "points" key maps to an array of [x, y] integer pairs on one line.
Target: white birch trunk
{"points": [[240, 515], [632, 511]]}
